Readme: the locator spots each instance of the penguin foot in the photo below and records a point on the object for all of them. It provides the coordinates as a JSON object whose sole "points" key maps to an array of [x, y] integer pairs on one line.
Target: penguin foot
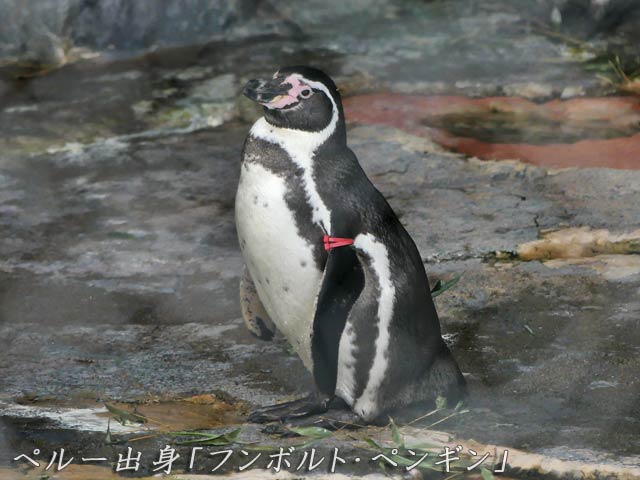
{"points": [[335, 420], [332, 422], [303, 407]]}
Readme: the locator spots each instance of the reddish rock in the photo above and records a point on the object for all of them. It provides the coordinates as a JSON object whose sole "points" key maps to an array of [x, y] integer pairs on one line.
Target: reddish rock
{"points": [[595, 117]]}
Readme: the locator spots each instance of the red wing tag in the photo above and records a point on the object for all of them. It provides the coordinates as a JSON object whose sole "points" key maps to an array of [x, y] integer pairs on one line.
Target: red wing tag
{"points": [[335, 242]]}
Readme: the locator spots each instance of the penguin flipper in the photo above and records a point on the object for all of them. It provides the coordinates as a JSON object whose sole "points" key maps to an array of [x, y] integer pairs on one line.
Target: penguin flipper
{"points": [[255, 316], [342, 282]]}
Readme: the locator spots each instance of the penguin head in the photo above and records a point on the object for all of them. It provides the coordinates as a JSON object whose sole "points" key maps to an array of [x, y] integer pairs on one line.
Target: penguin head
{"points": [[300, 98]]}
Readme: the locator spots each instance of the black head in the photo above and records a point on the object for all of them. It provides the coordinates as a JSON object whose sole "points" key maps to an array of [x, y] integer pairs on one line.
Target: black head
{"points": [[301, 98]]}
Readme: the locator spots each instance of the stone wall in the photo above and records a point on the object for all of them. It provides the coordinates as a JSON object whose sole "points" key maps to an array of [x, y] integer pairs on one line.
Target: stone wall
{"points": [[42, 31]]}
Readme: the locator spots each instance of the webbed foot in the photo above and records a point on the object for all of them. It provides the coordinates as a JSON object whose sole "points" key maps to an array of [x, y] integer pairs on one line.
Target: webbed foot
{"points": [[332, 422]]}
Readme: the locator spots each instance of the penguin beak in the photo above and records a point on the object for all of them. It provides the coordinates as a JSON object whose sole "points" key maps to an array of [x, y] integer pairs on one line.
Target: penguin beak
{"points": [[272, 93]]}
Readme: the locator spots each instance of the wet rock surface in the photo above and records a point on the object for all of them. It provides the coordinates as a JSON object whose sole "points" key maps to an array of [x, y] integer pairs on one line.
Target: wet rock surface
{"points": [[120, 264]]}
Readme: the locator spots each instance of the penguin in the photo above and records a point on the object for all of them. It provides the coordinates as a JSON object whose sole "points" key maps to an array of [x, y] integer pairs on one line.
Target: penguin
{"points": [[327, 262]]}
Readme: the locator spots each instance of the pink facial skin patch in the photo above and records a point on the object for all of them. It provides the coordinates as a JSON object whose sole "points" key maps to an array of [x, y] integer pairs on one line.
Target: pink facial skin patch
{"points": [[282, 101]]}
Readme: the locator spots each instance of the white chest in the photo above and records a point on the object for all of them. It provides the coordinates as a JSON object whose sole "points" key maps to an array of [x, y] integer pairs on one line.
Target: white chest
{"points": [[280, 260]]}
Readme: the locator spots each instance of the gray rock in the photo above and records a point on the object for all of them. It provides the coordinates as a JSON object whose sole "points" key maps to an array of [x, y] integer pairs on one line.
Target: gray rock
{"points": [[35, 31]]}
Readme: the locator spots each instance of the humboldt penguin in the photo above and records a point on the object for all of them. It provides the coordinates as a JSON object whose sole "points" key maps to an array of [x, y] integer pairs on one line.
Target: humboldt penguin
{"points": [[328, 263]]}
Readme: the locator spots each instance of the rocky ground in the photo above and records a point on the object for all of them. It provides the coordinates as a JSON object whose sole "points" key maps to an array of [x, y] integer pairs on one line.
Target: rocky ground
{"points": [[120, 263]]}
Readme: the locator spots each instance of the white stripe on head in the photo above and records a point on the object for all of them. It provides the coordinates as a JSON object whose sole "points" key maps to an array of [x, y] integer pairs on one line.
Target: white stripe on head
{"points": [[367, 405], [301, 146]]}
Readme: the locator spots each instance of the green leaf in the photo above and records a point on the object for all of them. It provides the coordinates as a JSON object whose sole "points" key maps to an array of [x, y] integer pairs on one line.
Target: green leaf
{"points": [[441, 287], [372, 443], [487, 474], [601, 67], [441, 403], [227, 438], [108, 440], [406, 462], [218, 440], [308, 443], [261, 448], [202, 440], [233, 435], [124, 416], [423, 446], [400, 460], [395, 434], [194, 434], [313, 432], [272, 448], [121, 235]]}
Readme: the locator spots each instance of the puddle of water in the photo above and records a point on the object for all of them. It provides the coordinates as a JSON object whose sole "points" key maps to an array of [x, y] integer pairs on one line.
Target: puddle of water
{"points": [[203, 411], [507, 127], [88, 419], [584, 132], [200, 412]]}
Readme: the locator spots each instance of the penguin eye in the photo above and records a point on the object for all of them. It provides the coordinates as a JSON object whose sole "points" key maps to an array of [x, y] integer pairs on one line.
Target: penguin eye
{"points": [[306, 93]]}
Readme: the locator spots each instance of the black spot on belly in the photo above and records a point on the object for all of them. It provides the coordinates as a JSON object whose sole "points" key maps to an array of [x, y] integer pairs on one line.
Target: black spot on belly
{"points": [[265, 204], [255, 199], [286, 288], [276, 160], [267, 280], [303, 263]]}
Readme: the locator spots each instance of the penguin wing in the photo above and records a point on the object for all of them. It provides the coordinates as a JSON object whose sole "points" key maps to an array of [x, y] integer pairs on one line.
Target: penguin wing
{"points": [[254, 314], [342, 282]]}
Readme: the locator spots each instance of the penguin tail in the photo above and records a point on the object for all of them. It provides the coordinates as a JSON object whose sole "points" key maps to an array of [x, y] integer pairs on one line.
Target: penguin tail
{"points": [[445, 378]]}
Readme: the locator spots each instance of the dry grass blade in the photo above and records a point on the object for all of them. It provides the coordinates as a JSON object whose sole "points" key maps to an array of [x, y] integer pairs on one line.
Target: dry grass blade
{"points": [[123, 416], [220, 439]]}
